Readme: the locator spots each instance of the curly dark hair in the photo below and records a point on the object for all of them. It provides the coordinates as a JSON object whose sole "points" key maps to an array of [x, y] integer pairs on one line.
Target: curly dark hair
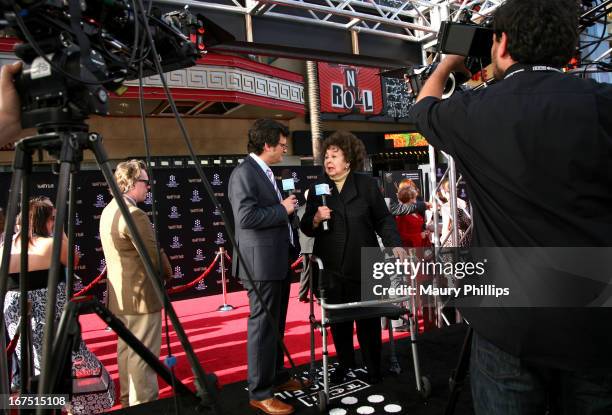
{"points": [[540, 32], [265, 131], [352, 147]]}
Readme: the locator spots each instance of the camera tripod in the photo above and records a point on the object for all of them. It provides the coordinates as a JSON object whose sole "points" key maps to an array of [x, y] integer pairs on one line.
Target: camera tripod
{"points": [[66, 142]]}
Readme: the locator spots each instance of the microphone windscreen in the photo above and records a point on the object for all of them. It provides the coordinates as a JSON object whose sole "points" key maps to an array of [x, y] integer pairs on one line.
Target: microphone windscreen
{"points": [[287, 180], [322, 189], [288, 184]]}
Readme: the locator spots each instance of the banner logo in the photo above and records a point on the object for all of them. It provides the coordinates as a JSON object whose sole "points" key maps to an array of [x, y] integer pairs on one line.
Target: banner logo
{"points": [[77, 219], [217, 212], [216, 181], [102, 265], [174, 214], [201, 285], [172, 181], [100, 203], [197, 226], [149, 199], [220, 240], [199, 256], [176, 244], [195, 198], [177, 273]]}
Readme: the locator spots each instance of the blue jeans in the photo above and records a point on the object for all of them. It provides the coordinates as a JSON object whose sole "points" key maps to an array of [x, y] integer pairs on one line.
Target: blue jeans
{"points": [[503, 385]]}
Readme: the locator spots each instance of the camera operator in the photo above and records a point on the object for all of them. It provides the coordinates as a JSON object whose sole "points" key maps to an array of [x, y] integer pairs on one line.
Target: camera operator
{"points": [[535, 149], [10, 116]]}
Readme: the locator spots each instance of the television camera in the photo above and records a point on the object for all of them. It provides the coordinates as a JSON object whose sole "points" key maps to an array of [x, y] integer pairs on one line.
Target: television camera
{"points": [[457, 38], [74, 52]]}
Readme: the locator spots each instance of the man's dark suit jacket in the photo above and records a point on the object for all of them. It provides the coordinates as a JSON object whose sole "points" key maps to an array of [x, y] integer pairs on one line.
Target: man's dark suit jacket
{"points": [[261, 223]]}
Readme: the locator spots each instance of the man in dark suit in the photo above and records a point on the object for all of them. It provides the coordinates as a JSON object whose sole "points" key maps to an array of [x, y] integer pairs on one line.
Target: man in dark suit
{"points": [[268, 244]]}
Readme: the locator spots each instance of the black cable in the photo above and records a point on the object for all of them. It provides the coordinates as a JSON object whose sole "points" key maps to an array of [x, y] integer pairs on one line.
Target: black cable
{"points": [[154, 214], [586, 45], [153, 185], [41, 53], [133, 60], [136, 35], [210, 191], [604, 31]]}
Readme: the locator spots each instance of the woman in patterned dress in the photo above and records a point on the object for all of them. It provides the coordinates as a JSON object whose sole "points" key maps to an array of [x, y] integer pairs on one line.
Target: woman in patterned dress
{"points": [[85, 364]]}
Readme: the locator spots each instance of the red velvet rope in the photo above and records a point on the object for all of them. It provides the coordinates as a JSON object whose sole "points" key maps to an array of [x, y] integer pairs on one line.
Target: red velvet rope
{"points": [[296, 263], [91, 284], [177, 289], [181, 288], [10, 348], [293, 266]]}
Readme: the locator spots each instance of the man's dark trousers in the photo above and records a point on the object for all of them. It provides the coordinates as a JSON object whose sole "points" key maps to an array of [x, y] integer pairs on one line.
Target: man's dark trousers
{"points": [[265, 355]]}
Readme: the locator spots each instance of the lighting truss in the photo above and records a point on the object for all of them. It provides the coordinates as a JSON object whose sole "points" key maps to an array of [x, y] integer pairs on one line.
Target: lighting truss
{"points": [[410, 20]]}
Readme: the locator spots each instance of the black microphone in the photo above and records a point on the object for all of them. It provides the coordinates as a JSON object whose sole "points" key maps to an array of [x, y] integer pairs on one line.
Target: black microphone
{"points": [[323, 190], [288, 182]]}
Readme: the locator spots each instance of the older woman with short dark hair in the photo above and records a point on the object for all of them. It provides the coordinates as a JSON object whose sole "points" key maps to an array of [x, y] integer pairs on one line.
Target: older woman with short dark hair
{"points": [[356, 212]]}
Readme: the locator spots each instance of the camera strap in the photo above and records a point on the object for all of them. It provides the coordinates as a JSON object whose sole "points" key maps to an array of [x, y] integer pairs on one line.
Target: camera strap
{"points": [[532, 68]]}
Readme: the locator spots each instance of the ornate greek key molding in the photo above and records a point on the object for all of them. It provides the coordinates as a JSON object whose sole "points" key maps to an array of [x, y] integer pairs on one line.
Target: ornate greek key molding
{"points": [[222, 78]]}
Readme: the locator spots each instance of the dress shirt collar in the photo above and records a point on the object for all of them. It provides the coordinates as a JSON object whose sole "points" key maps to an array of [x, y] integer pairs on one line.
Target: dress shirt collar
{"points": [[261, 163]]}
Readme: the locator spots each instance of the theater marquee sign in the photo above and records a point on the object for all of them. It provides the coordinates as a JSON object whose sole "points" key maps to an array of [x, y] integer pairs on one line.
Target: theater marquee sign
{"points": [[349, 89]]}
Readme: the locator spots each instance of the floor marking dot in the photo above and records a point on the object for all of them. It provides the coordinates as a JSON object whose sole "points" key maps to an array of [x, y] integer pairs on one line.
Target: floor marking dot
{"points": [[365, 410], [376, 398], [337, 411], [349, 400], [393, 408]]}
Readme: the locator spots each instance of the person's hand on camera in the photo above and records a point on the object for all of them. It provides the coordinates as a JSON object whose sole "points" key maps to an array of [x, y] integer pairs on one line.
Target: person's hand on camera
{"points": [[10, 111], [434, 86], [289, 204], [456, 63], [323, 213]]}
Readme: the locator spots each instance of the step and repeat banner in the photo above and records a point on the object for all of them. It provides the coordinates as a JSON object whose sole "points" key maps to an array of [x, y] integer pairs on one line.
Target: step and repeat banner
{"points": [[191, 230]]}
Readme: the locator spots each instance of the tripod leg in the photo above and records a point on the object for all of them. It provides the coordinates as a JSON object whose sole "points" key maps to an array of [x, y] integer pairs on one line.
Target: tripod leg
{"points": [[20, 164], [204, 384], [71, 253], [26, 369], [459, 374], [54, 270]]}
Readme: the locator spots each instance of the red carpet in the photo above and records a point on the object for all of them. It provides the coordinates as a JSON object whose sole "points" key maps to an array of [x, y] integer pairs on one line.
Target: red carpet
{"points": [[219, 339]]}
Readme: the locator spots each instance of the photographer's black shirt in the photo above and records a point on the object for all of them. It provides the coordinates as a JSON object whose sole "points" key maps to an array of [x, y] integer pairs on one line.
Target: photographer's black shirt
{"points": [[536, 152]]}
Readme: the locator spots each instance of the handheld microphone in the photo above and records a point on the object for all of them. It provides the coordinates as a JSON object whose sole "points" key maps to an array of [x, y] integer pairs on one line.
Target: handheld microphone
{"points": [[323, 190], [288, 182]]}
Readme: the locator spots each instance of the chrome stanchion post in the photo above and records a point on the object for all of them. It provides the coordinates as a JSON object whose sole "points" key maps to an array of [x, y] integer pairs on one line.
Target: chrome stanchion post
{"points": [[225, 306]]}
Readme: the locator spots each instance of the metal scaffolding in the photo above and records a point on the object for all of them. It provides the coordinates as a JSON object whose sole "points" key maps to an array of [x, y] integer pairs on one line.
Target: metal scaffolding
{"points": [[409, 20]]}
